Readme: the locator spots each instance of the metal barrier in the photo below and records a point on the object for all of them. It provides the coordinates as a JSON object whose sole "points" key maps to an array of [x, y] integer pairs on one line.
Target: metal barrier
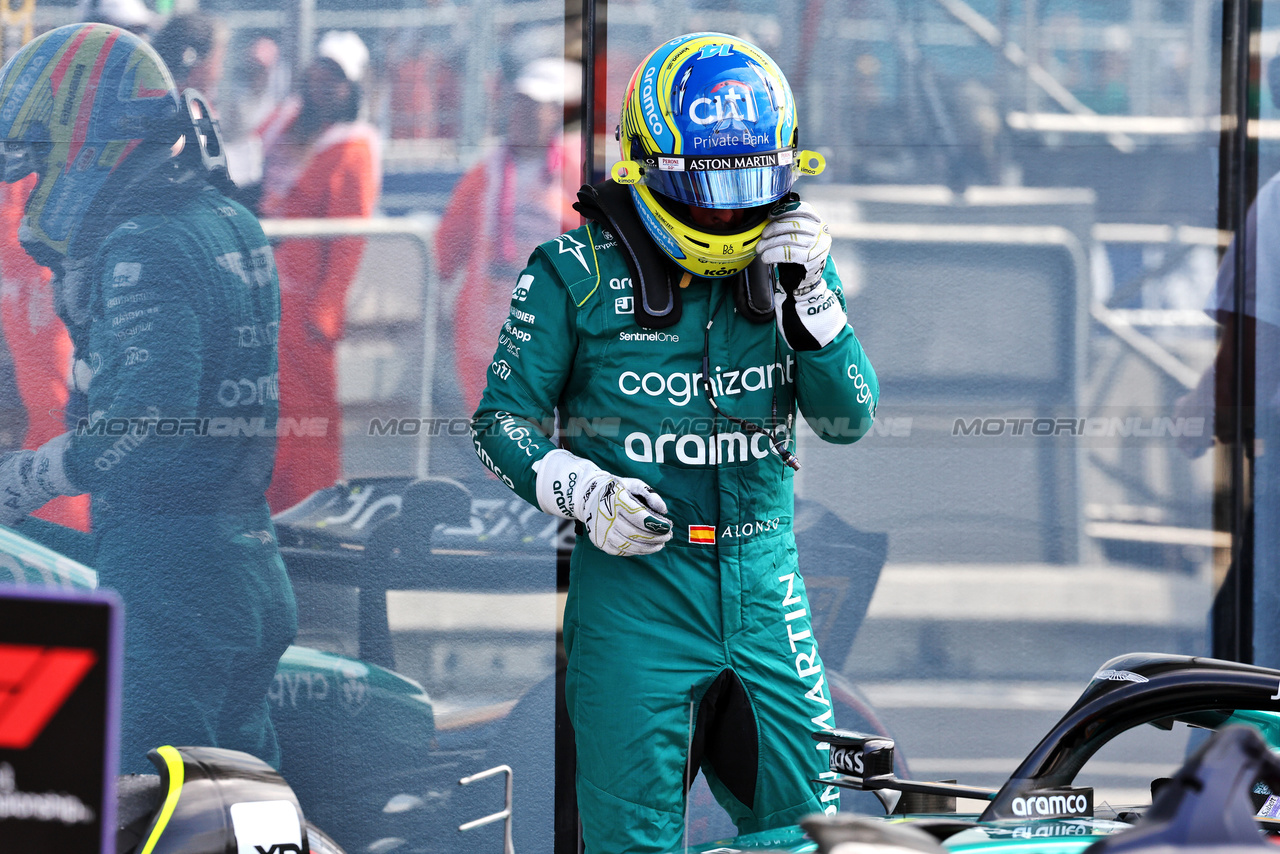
{"points": [[1112, 321], [503, 815], [936, 258]]}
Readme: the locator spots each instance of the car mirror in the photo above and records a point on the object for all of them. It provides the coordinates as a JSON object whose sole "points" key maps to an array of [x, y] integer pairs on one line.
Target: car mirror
{"points": [[865, 758]]}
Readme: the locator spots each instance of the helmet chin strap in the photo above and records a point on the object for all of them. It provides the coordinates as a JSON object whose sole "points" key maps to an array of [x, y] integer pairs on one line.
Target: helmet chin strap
{"points": [[753, 294], [658, 303], [71, 291], [40, 252]]}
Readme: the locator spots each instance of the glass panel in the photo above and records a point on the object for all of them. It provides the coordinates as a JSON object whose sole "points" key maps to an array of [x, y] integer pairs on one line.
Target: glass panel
{"points": [[404, 160], [1023, 200], [1263, 349]]}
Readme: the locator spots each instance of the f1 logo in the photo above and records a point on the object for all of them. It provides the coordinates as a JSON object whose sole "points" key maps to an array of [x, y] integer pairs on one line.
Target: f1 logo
{"points": [[35, 681]]}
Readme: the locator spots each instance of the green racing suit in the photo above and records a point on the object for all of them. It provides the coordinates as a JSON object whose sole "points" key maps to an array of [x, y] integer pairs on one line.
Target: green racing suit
{"points": [[175, 334], [701, 654]]}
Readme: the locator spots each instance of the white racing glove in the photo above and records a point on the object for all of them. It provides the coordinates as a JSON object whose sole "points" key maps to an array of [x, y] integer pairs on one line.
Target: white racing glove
{"points": [[796, 242], [30, 479], [622, 515]]}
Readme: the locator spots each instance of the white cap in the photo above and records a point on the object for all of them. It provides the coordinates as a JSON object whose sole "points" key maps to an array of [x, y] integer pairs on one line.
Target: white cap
{"points": [[552, 79], [348, 50], [127, 14]]}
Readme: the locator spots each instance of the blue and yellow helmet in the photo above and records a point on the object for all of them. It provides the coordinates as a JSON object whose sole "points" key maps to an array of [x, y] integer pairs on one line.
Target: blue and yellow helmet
{"points": [[709, 121], [75, 104]]}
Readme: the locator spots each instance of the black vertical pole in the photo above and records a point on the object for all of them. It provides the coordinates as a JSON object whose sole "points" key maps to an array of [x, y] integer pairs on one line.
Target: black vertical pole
{"points": [[595, 54], [567, 838], [588, 90], [1237, 186]]}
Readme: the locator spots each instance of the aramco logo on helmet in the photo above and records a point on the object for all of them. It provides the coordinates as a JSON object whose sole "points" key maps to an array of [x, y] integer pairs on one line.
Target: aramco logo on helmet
{"points": [[652, 116], [18, 94]]}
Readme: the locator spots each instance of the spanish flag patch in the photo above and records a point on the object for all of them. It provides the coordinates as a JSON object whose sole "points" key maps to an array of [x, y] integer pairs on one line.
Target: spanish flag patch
{"points": [[705, 534]]}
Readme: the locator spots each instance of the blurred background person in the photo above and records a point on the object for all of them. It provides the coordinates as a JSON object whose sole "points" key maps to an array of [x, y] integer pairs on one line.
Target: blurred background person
{"points": [[132, 15], [258, 83], [519, 196], [422, 89], [194, 47], [320, 159]]}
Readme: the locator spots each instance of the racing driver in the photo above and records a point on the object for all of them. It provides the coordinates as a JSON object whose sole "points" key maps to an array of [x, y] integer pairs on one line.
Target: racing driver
{"points": [[674, 336], [170, 294]]}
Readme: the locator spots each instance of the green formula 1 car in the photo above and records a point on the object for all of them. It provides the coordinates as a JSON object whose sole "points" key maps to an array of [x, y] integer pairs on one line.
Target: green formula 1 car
{"points": [[1043, 807]]}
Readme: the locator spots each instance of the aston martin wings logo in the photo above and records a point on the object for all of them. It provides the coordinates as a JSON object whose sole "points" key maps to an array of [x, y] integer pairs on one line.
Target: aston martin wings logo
{"points": [[1120, 676], [571, 245]]}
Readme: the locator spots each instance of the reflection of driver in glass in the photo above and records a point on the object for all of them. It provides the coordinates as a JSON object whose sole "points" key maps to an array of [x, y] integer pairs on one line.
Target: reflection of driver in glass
{"points": [[170, 293], [676, 372]]}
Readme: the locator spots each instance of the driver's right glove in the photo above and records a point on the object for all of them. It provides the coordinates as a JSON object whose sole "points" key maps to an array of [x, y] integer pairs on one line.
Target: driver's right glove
{"points": [[796, 243], [30, 479], [622, 515]]}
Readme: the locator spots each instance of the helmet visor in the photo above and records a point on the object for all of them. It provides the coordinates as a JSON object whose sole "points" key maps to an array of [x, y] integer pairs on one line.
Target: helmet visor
{"points": [[724, 180]]}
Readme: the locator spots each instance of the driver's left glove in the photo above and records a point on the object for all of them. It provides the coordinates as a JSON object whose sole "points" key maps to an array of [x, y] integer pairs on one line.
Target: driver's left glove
{"points": [[796, 242], [30, 479]]}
